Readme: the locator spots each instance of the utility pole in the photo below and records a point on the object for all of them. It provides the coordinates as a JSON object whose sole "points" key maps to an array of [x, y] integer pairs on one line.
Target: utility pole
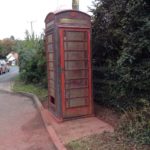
{"points": [[57, 4], [31, 26], [75, 4]]}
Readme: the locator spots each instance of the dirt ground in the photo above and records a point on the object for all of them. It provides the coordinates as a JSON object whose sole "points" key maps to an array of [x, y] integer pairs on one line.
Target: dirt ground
{"points": [[107, 114]]}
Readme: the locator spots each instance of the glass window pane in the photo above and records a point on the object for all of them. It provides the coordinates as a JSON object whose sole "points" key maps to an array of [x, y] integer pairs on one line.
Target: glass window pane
{"points": [[75, 45], [75, 55], [76, 102], [51, 74], [51, 83], [52, 93], [76, 36], [51, 56], [50, 38], [70, 65], [50, 48], [51, 65], [75, 74], [76, 83], [74, 93]]}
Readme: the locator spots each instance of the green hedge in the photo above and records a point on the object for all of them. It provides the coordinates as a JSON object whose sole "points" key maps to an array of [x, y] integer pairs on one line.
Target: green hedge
{"points": [[32, 61], [121, 52]]}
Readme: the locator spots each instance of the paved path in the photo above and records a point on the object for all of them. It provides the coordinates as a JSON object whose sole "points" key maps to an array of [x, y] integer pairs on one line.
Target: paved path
{"points": [[21, 126]]}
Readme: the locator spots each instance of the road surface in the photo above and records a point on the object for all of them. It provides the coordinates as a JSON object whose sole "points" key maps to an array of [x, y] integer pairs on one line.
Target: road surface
{"points": [[21, 126], [7, 78]]}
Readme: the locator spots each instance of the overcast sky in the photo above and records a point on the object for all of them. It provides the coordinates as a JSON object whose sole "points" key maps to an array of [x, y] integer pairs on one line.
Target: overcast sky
{"points": [[16, 15]]}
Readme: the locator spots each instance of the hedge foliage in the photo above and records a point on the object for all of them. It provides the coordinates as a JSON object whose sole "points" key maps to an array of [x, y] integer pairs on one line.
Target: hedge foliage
{"points": [[121, 51], [32, 61]]}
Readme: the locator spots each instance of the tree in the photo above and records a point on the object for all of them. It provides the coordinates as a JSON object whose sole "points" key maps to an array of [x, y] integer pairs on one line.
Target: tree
{"points": [[6, 46]]}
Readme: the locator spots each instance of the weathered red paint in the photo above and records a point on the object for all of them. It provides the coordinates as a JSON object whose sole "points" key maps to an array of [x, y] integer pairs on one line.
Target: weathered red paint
{"points": [[62, 72], [72, 83]]}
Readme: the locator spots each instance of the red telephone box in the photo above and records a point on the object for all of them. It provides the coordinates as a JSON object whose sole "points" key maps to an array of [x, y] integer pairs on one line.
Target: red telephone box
{"points": [[68, 52]]}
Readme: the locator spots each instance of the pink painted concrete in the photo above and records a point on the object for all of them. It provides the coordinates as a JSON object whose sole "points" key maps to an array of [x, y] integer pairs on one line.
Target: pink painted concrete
{"points": [[74, 129], [21, 127]]}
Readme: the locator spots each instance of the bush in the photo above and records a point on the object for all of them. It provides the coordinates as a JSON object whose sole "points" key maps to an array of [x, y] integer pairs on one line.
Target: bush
{"points": [[121, 50], [32, 61]]}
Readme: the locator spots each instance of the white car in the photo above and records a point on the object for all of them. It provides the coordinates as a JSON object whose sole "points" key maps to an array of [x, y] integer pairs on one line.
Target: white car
{"points": [[3, 66]]}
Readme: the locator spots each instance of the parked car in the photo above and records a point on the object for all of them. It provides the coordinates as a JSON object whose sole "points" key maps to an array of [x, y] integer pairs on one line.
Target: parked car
{"points": [[1, 69], [3, 66]]}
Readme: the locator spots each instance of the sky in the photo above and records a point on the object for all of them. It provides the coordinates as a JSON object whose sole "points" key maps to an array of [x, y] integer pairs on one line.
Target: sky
{"points": [[16, 15]]}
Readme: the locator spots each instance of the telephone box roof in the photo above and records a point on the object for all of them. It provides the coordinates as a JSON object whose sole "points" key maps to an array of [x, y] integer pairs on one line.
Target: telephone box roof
{"points": [[64, 11]]}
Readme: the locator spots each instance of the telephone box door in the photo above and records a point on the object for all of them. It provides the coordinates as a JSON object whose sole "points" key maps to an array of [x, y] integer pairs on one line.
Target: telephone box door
{"points": [[75, 72]]}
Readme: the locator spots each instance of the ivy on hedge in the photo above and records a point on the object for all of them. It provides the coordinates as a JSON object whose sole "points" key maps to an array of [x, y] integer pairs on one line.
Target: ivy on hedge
{"points": [[121, 51]]}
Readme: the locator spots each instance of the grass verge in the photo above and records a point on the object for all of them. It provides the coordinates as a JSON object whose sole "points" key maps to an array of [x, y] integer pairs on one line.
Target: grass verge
{"points": [[105, 141], [20, 86]]}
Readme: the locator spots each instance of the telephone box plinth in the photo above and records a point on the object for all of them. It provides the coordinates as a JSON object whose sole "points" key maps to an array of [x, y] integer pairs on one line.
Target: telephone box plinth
{"points": [[68, 52]]}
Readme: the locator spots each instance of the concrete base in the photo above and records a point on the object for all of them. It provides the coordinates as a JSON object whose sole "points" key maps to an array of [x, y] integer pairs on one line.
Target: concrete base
{"points": [[68, 131]]}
